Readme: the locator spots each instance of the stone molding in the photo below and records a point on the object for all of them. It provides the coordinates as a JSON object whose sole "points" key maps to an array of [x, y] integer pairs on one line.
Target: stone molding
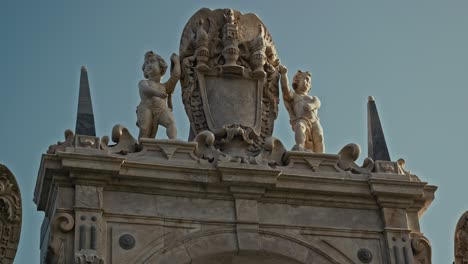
{"points": [[254, 204]]}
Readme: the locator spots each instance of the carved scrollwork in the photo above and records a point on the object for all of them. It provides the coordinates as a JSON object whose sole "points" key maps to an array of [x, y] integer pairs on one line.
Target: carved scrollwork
{"points": [[205, 148], [62, 223], [348, 155], [238, 130], [61, 146], [421, 249], [10, 215], [124, 141]]}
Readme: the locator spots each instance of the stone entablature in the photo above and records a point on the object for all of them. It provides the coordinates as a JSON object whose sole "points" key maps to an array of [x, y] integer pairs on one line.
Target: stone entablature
{"points": [[163, 204]]}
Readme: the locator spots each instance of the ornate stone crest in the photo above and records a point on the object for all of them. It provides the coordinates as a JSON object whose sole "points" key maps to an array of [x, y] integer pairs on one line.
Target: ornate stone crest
{"points": [[230, 79], [10, 215], [461, 240]]}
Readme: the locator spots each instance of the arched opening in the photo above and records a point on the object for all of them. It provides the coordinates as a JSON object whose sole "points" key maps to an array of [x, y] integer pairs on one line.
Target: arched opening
{"points": [[245, 258], [222, 247]]}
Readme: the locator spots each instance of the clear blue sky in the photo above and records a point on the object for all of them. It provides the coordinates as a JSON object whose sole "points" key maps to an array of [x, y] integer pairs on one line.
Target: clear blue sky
{"points": [[412, 56]]}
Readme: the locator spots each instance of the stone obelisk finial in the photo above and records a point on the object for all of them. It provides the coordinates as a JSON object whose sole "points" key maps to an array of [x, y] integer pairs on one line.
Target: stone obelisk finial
{"points": [[377, 147], [85, 115]]}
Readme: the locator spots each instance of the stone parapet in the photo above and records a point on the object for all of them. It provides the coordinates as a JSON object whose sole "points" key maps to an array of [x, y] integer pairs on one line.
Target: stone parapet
{"points": [[163, 204]]}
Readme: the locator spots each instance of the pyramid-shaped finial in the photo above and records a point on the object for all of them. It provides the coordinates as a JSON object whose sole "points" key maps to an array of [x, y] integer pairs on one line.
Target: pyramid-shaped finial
{"points": [[85, 115], [377, 147]]}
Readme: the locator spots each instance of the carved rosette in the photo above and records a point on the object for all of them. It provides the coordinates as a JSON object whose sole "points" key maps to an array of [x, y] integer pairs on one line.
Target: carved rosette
{"points": [[231, 88], [10, 215], [461, 240]]}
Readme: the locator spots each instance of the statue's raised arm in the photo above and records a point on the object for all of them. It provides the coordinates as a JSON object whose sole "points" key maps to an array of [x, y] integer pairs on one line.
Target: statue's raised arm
{"points": [[175, 74], [303, 111], [155, 107], [287, 93]]}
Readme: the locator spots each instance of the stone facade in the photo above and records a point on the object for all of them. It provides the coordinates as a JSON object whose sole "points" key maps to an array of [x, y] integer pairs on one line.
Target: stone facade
{"points": [[232, 193], [166, 205]]}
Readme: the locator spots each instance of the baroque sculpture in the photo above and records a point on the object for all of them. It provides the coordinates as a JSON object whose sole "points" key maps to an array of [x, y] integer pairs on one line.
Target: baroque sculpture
{"points": [[302, 109], [461, 240], [155, 107], [232, 193], [10, 215], [229, 79]]}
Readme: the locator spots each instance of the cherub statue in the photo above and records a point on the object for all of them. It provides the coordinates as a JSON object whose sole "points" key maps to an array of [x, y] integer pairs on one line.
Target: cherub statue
{"points": [[302, 110], [155, 107]]}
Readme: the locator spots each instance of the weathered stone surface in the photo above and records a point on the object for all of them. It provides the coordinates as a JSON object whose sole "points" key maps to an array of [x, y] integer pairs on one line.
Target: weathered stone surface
{"points": [[230, 79], [184, 209], [234, 194], [155, 107], [461, 240], [303, 111], [10, 215]]}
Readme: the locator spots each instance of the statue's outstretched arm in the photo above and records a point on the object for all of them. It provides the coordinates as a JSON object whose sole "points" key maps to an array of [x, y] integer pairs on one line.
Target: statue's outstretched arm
{"points": [[287, 94], [175, 74]]}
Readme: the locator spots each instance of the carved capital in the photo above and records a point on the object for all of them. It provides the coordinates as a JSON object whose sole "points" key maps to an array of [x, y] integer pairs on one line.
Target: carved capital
{"points": [[63, 222]]}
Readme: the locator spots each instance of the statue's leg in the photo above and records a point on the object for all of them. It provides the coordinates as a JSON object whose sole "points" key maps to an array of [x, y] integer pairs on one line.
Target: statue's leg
{"points": [[154, 129], [317, 137], [167, 120], [144, 123], [299, 134]]}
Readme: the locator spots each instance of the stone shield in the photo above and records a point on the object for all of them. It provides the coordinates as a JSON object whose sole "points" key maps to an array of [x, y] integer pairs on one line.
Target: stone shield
{"points": [[229, 78]]}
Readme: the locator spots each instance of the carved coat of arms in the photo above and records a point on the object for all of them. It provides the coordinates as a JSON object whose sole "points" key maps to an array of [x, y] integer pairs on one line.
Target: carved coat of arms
{"points": [[230, 79]]}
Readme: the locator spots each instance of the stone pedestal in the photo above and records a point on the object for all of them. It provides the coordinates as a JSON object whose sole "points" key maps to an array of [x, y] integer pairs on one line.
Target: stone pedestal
{"points": [[165, 205]]}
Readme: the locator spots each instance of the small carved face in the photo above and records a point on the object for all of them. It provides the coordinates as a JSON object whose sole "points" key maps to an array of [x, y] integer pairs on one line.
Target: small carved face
{"points": [[302, 82], [154, 65]]}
